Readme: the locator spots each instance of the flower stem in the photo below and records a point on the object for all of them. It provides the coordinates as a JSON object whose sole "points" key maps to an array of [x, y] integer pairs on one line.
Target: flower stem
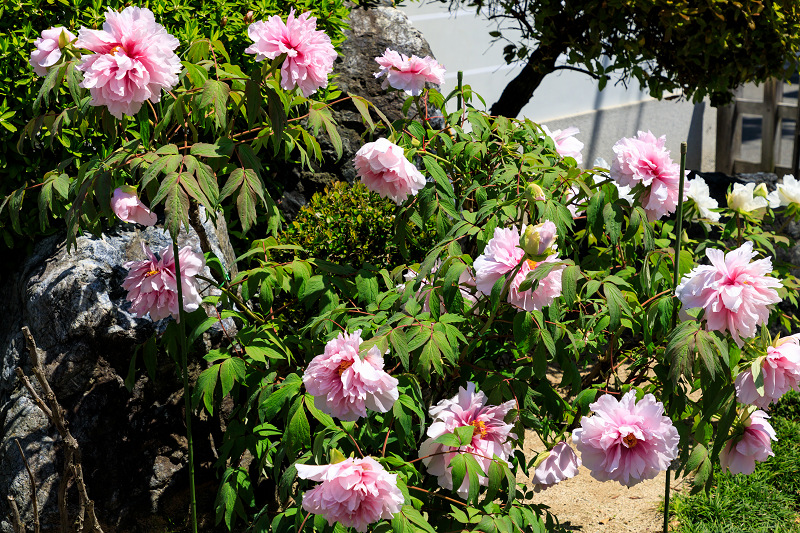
{"points": [[676, 277], [185, 371]]}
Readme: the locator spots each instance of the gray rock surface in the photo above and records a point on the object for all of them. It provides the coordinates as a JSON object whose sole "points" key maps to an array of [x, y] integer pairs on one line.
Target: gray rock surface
{"points": [[373, 29], [132, 442]]}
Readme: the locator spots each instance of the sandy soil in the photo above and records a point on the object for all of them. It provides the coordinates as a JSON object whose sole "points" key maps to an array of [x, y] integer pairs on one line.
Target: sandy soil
{"points": [[590, 506]]}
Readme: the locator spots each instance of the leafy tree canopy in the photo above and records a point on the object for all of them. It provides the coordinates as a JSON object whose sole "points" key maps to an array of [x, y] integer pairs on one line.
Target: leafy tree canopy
{"points": [[702, 48]]}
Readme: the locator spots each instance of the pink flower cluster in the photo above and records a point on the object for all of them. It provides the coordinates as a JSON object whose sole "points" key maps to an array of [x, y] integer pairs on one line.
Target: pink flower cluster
{"points": [[735, 293], [129, 208], [566, 143], [780, 369], [626, 440], [309, 52], [408, 74], [345, 385], [153, 286], [384, 169], [48, 48], [561, 463], [133, 61], [501, 255], [740, 455], [643, 160], [354, 492], [490, 437]]}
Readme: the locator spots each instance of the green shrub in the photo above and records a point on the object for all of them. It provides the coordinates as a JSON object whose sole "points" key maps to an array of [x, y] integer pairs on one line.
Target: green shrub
{"points": [[22, 21], [348, 224]]}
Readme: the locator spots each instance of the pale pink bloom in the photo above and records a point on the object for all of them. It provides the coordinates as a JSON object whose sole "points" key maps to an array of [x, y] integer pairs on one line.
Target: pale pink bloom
{"points": [[353, 492], [384, 169], [781, 371], [48, 48], [309, 52], [408, 74], [626, 441], [426, 288], [129, 208], [735, 293], [133, 61], [561, 464], [643, 160], [345, 385], [490, 435], [566, 143], [753, 445], [153, 287], [501, 255]]}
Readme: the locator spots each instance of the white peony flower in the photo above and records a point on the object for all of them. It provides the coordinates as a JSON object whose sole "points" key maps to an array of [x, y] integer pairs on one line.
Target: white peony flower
{"points": [[698, 191], [742, 200], [788, 192]]}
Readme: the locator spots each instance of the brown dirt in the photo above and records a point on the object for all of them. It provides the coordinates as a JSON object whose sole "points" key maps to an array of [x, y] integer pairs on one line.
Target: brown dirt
{"points": [[590, 506]]}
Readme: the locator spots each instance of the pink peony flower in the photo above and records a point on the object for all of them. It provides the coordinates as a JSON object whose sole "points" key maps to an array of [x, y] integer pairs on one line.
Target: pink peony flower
{"points": [[643, 160], [566, 143], [384, 169], [781, 371], [354, 492], [153, 287], [408, 74], [133, 61], [309, 52], [626, 441], [48, 48], [735, 293], [501, 255], [490, 436], [129, 208], [561, 464], [740, 455], [344, 385]]}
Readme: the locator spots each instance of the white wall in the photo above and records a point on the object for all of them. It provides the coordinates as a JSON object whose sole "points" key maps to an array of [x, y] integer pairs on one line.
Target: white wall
{"points": [[461, 41]]}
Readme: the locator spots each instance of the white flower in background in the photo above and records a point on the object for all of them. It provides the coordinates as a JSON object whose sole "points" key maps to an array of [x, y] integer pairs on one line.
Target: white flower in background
{"points": [[698, 191], [787, 192], [624, 193], [742, 200]]}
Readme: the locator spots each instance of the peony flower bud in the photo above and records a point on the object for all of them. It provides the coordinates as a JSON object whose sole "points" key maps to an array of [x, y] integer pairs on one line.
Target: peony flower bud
{"points": [[48, 48], [539, 241], [534, 193], [761, 191]]}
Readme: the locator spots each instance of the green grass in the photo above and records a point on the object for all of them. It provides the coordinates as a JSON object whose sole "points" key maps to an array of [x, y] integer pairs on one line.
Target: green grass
{"points": [[766, 501]]}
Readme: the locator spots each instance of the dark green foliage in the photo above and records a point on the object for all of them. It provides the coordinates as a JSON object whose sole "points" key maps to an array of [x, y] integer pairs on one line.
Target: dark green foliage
{"points": [[349, 225]]}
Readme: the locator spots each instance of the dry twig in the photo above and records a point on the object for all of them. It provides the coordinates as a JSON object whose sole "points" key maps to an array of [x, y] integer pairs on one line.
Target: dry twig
{"points": [[86, 519]]}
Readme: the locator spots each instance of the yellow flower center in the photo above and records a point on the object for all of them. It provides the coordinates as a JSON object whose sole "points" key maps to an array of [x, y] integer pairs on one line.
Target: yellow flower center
{"points": [[532, 264], [151, 273], [480, 428], [114, 50], [629, 440], [344, 365]]}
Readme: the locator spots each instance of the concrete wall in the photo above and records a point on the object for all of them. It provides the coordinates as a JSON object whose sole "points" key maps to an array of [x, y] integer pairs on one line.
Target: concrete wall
{"points": [[461, 41]]}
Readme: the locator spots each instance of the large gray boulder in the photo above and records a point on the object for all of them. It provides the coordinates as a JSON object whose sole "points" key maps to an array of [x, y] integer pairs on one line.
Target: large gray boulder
{"points": [[133, 443]]}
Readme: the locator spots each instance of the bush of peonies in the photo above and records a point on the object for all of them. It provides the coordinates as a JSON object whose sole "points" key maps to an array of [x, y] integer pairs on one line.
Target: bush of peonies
{"points": [[371, 393]]}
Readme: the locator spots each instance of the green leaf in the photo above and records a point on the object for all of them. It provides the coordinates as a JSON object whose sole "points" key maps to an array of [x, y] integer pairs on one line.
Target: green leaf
{"points": [[613, 218], [616, 305], [216, 93], [398, 339], [697, 457], [569, 284], [204, 388], [367, 286], [235, 181], [298, 434], [207, 150], [231, 371]]}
